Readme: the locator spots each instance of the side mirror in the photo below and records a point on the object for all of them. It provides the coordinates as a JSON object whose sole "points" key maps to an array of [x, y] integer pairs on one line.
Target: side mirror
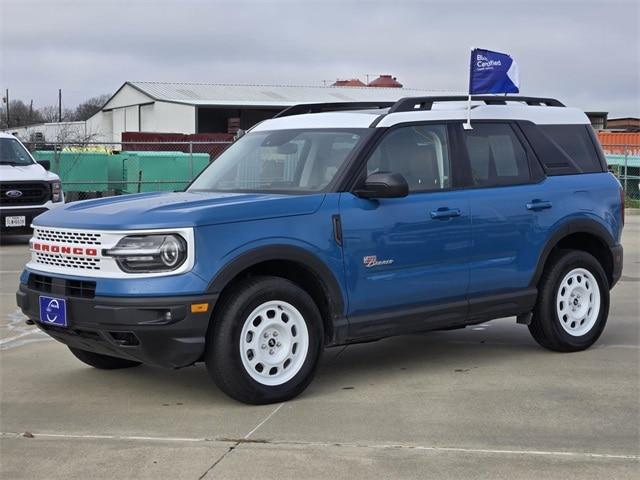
{"points": [[45, 163], [383, 185]]}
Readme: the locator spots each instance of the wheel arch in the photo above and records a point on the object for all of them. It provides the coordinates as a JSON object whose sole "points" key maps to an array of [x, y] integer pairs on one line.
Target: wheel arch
{"points": [[586, 235], [293, 263]]}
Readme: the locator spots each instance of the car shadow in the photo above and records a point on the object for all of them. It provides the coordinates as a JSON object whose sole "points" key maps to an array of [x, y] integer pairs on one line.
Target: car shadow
{"points": [[455, 352]]}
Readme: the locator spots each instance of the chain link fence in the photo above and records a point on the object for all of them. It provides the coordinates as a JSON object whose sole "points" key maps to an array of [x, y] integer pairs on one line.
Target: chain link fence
{"points": [[624, 163], [103, 169]]}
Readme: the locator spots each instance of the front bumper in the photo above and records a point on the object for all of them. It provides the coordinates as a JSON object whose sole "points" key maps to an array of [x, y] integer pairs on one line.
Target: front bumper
{"points": [[28, 212], [152, 330]]}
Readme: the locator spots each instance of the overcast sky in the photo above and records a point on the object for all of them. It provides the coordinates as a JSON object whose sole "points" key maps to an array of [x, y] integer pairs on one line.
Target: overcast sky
{"points": [[586, 53]]}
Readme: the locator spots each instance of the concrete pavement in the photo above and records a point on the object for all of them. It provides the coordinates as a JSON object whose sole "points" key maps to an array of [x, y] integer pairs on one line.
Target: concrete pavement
{"points": [[484, 402]]}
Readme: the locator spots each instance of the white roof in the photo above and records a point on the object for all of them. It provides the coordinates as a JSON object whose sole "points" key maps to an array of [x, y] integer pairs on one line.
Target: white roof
{"points": [[541, 115], [268, 95]]}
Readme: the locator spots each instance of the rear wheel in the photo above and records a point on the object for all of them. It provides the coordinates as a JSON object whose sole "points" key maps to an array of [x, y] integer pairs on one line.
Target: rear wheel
{"points": [[573, 302], [265, 341], [103, 362]]}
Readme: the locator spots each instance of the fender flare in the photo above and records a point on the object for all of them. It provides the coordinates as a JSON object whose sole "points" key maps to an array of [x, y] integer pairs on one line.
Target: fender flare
{"points": [[591, 227], [303, 257]]}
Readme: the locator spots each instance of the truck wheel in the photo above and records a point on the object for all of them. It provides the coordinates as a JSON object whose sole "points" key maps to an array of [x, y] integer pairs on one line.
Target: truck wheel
{"points": [[103, 362], [265, 341], [573, 302]]}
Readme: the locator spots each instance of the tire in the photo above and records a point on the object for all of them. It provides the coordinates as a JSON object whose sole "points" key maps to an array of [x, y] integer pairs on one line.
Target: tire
{"points": [[265, 341], [573, 302], [103, 362]]}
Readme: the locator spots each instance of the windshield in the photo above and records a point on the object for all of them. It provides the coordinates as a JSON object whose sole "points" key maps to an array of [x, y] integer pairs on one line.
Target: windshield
{"points": [[13, 153], [283, 160]]}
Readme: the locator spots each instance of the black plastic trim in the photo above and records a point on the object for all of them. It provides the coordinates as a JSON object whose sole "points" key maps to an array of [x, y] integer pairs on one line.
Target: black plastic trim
{"points": [[422, 318], [175, 341], [408, 104], [572, 226], [337, 229], [283, 252], [330, 107]]}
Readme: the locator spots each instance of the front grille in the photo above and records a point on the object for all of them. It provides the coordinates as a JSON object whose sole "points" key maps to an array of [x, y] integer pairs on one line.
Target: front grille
{"points": [[62, 286], [14, 194], [58, 260], [66, 236]]}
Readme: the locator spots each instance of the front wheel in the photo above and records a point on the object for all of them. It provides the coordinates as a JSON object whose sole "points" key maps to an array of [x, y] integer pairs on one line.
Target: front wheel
{"points": [[265, 341], [573, 303]]}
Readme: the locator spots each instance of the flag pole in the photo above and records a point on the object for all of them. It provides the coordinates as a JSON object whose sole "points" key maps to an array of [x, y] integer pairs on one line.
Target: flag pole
{"points": [[467, 125]]}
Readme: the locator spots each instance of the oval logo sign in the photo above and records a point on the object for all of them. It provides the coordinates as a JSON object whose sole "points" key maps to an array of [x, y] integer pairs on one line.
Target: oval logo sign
{"points": [[13, 193]]}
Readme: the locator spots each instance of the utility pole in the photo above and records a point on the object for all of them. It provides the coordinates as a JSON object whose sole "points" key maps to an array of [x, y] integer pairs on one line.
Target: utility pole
{"points": [[31, 111], [59, 105], [6, 99]]}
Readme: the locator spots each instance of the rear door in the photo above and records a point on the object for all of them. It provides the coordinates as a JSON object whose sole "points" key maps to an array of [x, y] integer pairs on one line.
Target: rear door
{"points": [[407, 253], [511, 208]]}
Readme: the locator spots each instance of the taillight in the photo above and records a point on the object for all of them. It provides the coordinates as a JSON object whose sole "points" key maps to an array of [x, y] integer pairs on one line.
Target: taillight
{"points": [[622, 204]]}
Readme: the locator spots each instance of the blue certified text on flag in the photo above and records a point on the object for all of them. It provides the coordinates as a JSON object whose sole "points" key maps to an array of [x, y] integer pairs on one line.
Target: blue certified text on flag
{"points": [[492, 72]]}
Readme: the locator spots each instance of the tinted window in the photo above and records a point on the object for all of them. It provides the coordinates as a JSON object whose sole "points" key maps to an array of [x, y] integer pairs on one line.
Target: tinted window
{"points": [[419, 153], [574, 142], [496, 155]]}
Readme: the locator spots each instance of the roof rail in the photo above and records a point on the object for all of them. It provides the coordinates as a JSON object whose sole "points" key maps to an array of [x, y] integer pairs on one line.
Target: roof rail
{"points": [[330, 107], [410, 104]]}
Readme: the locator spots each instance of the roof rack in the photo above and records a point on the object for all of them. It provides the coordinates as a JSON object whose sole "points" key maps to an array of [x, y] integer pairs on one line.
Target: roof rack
{"points": [[410, 104], [331, 107]]}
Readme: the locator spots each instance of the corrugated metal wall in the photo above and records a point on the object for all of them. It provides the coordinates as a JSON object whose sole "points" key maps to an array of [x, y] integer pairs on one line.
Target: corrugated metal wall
{"points": [[616, 142]]}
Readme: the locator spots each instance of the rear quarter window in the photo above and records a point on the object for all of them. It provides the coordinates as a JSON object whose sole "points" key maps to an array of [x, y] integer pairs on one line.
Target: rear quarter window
{"points": [[567, 149]]}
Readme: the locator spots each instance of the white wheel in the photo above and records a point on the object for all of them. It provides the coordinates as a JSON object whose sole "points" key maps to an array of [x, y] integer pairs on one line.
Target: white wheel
{"points": [[274, 343], [578, 302]]}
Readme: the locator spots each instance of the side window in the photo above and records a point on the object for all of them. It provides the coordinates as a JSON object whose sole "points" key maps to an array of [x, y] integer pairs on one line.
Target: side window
{"points": [[575, 143], [419, 153], [496, 155]]}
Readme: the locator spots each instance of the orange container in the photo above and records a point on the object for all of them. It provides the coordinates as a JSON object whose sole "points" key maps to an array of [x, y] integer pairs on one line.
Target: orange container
{"points": [[615, 142]]}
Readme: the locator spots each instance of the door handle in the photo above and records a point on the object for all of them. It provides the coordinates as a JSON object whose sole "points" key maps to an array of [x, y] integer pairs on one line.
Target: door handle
{"points": [[536, 205], [444, 213]]}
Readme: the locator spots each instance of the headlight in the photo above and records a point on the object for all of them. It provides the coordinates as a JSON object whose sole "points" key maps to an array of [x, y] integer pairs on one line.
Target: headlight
{"points": [[56, 192], [149, 253]]}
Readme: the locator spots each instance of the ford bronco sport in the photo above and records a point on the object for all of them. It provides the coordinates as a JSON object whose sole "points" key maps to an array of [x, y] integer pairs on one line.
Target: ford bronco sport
{"points": [[336, 224]]}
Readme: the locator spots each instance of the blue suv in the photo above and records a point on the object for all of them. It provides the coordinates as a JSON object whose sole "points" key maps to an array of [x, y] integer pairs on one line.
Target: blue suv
{"points": [[337, 224]]}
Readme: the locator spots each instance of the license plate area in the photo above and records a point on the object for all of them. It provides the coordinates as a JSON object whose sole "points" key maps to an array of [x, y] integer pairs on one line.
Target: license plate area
{"points": [[53, 311], [15, 221]]}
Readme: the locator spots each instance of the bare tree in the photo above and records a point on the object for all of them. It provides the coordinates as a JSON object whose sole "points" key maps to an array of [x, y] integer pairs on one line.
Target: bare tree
{"points": [[90, 107]]}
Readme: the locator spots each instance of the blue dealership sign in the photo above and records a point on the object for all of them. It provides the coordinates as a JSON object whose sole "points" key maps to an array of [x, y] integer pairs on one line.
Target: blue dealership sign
{"points": [[492, 72], [53, 311]]}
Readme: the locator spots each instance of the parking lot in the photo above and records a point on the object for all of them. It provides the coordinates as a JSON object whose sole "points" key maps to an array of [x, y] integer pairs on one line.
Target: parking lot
{"points": [[484, 402]]}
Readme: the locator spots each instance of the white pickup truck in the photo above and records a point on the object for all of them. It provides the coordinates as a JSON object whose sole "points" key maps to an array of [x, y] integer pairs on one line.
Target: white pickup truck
{"points": [[27, 188]]}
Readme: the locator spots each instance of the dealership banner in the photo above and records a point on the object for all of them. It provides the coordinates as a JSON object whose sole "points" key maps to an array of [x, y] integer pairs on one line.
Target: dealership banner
{"points": [[492, 72]]}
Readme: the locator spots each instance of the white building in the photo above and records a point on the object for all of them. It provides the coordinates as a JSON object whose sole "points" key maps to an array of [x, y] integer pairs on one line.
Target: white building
{"points": [[216, 108], [198, 108]]}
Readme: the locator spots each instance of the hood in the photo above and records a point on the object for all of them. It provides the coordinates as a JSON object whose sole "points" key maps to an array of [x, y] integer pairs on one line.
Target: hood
{"points": [[172, 210], [33, 172]]}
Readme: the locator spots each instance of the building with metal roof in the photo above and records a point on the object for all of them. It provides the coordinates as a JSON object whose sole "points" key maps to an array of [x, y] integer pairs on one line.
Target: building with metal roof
{"points": [[217, 108]]}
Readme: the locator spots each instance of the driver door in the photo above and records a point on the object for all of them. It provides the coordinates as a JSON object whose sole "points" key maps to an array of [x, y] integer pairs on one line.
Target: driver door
{"points": [[406, 257]]}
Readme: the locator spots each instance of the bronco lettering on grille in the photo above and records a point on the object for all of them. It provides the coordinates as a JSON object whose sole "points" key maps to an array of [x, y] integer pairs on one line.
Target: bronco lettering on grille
{"points": [[46, 247]]}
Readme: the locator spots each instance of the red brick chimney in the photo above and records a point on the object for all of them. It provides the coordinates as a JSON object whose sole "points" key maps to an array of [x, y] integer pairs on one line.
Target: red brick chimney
{"points": [[386, 81]]}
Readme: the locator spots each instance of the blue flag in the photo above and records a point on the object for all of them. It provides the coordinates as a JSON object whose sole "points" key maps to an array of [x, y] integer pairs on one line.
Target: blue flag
{"points": [[492, 72]]}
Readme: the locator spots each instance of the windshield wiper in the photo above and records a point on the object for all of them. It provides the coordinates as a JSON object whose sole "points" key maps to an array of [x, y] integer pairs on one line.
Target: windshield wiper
{"points": [[13, 164]]}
